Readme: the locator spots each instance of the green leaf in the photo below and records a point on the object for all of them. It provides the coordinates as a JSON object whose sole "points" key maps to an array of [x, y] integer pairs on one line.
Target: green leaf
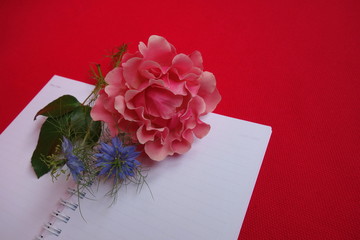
{"points": [[76, 125], [59, 107], [49, 138], [82, 126]]}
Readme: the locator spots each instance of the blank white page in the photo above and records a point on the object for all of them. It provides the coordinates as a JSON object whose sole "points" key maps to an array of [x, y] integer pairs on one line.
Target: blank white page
{"points": [[202, 194]]}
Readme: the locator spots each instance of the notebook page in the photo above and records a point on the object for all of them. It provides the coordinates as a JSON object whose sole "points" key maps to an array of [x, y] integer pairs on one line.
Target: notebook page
{"points": [[27, 202], [202, 194]]}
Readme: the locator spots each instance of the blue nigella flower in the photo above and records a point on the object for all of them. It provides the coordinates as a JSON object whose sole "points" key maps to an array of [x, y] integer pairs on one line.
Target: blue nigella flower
{"points": [[73, 162], [117, 160]]}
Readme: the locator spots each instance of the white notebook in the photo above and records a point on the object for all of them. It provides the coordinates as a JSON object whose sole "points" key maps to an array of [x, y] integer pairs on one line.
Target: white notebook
{"points": [[202, 194]]}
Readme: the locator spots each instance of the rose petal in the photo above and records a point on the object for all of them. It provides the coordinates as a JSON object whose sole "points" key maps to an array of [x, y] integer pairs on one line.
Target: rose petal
{"points": [[129, 95], [208, 91], [196, 107], [207, 83], [150, 70], [197, 59], [98, 111], [212, 101], [182, 63], [160, 102], [192, 76], [188, 136], [115, 82], [157, 151], [201, 129], [192, 87], [129, 127], [131, 73], [172, 82], [184, 67], [158, 50], [181, 147], [119, 104], [144, 135], [128, 55]]}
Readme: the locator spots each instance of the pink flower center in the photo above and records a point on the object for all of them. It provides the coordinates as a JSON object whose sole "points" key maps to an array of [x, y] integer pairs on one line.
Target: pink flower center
{"points": [[158, 102]]}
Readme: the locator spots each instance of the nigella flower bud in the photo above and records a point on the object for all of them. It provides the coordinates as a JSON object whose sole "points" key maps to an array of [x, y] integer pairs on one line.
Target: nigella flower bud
{"points": [[73, 162]]}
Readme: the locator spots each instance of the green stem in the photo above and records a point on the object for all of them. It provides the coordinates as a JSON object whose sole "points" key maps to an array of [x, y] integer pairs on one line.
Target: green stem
{"points": [[99, 84], [87, 134]]}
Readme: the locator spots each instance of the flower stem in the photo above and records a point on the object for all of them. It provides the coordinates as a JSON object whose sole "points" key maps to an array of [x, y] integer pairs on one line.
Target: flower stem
{"points": [[100, 83]]}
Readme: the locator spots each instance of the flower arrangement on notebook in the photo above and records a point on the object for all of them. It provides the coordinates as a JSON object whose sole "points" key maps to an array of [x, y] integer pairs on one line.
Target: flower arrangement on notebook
{"points": [[148, 105]]}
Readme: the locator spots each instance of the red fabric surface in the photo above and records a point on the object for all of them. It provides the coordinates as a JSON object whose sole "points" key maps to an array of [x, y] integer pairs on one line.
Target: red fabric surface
{"points": [[293, 65]]}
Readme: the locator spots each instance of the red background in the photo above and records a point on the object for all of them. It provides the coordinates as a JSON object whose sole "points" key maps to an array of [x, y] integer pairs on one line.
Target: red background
{"points": [[293, 65]]}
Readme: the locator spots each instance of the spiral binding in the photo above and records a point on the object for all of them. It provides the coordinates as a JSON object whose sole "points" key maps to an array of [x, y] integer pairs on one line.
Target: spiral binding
{"points": [[62, 217], [72, 206], [76, 192], [54, 230], [59, 215]]}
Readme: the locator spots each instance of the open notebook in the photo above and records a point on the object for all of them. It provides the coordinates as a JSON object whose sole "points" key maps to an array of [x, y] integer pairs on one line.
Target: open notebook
{"points": [[202, 194]]}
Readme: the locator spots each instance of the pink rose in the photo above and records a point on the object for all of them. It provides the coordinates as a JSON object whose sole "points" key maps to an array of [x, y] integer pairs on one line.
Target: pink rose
{"points": [[158, 97]]}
